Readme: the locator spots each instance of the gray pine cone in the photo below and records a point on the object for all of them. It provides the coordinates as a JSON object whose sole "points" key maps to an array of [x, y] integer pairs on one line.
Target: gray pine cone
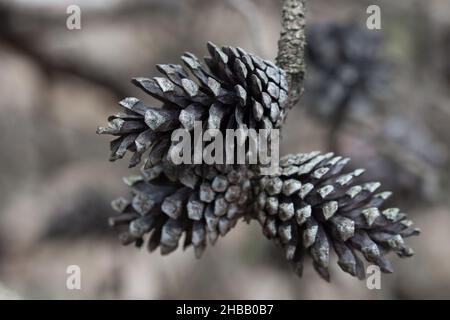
{"points": [[345, 69], [237, 90], [201, 201], [311, 207]]}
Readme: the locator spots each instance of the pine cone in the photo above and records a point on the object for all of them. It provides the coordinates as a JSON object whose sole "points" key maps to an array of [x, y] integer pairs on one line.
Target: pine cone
{"points": [[202, 202], [239, 90], [345, 69], [310, 206]]}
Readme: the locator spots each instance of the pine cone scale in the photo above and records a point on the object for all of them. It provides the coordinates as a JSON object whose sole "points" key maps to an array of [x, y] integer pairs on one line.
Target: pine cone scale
{"points": [[311, 207]]}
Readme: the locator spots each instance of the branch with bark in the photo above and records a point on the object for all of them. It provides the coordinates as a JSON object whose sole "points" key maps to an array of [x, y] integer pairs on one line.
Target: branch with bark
{"points": [[291, 47]]}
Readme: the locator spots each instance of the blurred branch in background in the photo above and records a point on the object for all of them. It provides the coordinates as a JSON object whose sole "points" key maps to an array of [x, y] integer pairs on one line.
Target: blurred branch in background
{"points": [[249, 10], [23, 28], [29, 43]]}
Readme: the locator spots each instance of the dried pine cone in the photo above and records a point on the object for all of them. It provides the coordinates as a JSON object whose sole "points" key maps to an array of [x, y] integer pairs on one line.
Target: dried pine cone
{"points": [[310, 206], [202, 202], [345, 70], [237, 90]]}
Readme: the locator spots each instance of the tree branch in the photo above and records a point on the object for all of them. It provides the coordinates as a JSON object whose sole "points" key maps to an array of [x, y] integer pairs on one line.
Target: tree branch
{"points": [[291, 47]]}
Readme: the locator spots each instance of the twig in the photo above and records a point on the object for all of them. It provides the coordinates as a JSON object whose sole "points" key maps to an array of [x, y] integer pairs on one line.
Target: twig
{"points": [[291, 47]]}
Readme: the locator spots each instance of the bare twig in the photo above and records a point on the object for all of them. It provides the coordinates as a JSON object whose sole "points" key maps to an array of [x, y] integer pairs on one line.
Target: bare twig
{"points": [[291, 47]]}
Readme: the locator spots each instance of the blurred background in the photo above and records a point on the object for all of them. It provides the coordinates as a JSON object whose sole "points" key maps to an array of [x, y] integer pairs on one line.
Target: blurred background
{"points": [[389, 111]]}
